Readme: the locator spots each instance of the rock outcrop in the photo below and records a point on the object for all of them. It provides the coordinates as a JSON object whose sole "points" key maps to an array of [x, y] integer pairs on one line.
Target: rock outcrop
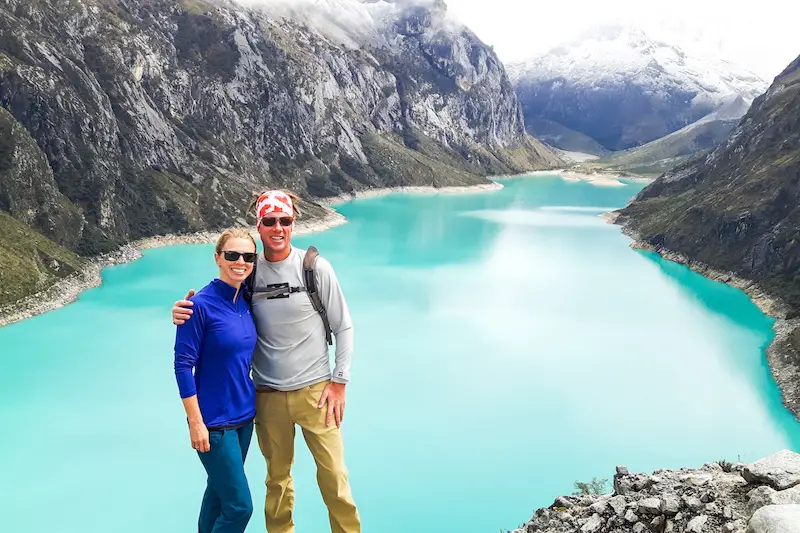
{"points": [[718, 497], [134, 118]]}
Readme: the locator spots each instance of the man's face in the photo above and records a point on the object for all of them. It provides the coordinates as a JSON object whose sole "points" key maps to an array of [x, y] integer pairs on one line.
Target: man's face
{"points": [[276, 232]]}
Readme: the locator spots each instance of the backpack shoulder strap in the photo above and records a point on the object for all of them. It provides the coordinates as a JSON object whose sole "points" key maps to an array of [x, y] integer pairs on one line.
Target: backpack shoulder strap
{"points": [[311, 288], [250, 282]]}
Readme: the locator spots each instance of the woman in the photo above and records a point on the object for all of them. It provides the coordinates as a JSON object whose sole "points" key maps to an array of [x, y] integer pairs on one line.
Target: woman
{"points": [[219, 397]]}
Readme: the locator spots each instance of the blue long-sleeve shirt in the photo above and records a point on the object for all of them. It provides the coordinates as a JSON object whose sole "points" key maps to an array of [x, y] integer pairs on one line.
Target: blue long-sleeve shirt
{"points": [[217, 343]]}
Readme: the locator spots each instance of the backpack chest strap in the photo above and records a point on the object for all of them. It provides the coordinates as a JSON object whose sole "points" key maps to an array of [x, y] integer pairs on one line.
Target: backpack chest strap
{"points": [[310, 287]]}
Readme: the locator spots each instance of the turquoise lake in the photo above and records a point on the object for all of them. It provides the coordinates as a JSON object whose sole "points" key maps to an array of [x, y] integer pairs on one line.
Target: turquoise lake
{"points": [[508, 344]]}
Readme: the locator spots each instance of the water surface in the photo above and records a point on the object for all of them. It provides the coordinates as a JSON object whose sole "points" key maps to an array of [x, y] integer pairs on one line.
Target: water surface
{"points": [[508, 344]]}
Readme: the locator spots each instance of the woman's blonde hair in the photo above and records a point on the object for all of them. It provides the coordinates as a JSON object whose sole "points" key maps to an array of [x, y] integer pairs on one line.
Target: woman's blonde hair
{"points": [[234, 233]]}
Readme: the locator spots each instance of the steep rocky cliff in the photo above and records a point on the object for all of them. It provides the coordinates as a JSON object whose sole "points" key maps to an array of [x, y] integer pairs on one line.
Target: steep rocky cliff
{"points": [[142, 117], [736, 210]]}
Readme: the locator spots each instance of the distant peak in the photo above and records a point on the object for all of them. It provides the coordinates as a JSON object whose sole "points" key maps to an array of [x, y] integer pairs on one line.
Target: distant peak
{"points": [[617, 53]]}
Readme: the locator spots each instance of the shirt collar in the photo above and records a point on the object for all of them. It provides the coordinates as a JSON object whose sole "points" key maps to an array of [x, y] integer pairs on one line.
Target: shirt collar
{"points": [[226, 291]]}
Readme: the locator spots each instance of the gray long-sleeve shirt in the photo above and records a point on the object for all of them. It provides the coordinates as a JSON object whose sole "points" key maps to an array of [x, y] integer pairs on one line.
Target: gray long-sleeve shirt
{"points": [[292, 351]]}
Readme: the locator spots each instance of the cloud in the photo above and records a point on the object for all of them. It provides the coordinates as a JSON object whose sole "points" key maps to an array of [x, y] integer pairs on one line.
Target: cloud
{"points": [[549, 218], [352, 23], [764, 40]]}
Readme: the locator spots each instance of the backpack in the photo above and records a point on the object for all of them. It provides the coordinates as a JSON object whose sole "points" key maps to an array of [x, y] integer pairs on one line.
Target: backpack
{"points": [[309, 287]]}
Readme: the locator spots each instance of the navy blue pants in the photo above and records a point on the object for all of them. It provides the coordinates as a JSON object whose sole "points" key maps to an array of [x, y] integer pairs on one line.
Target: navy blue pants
{"points": [[227, 504]]}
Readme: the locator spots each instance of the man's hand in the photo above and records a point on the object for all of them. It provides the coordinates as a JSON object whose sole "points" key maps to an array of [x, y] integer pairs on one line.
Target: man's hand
{"points": [[334, 395], [198, 432], [179, 314]]}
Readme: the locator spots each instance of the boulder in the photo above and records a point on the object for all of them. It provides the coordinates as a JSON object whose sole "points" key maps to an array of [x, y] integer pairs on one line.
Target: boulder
{"points": [[780, 470], [696, 524], [600, 507], [671, 505], [693, 502], [593, 525], [698, 479], [618, 504], [657, 523], [775, 519], [764, 495], [561, 501], [651, 506]]}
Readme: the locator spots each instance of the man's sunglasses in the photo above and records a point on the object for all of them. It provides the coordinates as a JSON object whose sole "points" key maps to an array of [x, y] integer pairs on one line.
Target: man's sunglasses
{"points": [[270, 221], [249, 257]]}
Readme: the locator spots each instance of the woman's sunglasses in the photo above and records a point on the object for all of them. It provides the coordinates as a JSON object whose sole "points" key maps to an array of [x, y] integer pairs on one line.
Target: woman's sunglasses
{"points": [[270, 221], [249, 257]]}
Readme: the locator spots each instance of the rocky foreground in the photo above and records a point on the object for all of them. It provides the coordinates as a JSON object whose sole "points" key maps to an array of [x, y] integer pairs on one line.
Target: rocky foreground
{"points": [[761, 497]]}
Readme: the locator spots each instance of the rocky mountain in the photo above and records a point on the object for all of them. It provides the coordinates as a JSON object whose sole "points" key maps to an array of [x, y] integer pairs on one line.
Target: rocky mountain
{"points": [[623, 88], [130, 118], [656, 157], [736, 211], [719, 497]]}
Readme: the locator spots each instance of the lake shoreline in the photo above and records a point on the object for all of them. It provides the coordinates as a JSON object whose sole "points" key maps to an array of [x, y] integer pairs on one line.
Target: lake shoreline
{"points": [[779, 353], [67, 290], [414, 189], [598, 178]]}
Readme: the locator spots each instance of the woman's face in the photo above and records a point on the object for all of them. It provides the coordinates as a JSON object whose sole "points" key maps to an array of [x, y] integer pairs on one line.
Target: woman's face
{"points": [[234, 270]]}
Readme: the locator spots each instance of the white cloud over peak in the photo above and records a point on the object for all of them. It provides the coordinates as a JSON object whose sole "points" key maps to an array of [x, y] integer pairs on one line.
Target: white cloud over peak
{"points": [[761, 36]]}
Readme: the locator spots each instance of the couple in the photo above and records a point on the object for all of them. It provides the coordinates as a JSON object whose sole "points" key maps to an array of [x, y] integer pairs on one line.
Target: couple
{"points": [[267, 326]]}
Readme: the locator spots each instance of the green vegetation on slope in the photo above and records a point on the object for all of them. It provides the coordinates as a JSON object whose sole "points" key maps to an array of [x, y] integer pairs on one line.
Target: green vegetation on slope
{"points": [[401, 167], [29, 262], [659, 156]]}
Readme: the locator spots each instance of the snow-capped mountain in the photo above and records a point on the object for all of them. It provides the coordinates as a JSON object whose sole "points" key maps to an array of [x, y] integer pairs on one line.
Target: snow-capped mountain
{"points": [[624, 87]]}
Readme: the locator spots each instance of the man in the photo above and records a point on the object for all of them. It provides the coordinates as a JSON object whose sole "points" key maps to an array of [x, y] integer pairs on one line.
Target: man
{"points": [[292, 372]]}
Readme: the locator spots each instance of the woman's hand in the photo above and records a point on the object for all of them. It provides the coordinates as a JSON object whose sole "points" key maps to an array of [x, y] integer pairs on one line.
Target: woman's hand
{"points": [[198, 432]]}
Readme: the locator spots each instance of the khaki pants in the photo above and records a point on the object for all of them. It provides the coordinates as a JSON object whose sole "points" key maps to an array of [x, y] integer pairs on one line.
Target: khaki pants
{"points": [[277, 413]]}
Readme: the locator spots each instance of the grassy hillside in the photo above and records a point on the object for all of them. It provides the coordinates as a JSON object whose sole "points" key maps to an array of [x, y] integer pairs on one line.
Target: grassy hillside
{"points": [[29, 262], [657, 157]]}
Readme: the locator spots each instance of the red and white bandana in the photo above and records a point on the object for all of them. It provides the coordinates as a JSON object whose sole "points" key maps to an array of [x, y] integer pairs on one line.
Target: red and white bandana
{"points": [[274, 202]]}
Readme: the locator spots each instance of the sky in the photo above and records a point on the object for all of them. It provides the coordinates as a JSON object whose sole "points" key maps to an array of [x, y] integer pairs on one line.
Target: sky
{"points": [[762, 36]]}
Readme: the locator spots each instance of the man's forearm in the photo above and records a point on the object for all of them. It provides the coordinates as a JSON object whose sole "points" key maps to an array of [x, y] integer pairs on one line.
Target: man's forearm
{"points": [[344, 353]]}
